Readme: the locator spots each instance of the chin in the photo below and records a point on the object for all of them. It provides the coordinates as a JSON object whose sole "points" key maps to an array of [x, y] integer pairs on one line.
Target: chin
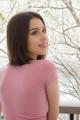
{"points": [[42, 54]]}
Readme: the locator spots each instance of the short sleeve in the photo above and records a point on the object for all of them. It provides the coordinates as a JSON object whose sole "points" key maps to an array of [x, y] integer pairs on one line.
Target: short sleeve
{"points": [[52, 73]]}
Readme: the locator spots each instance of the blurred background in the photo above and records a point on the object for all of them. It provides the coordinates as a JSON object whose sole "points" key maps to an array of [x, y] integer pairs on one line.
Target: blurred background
{"points": [[62, 18]]}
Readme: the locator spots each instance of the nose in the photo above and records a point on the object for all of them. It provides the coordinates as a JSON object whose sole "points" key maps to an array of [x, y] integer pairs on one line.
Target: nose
{"points": [[43, 37]]}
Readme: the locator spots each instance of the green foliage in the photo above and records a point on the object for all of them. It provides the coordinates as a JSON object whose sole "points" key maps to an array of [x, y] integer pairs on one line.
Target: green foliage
{"points": [[2, 17]]}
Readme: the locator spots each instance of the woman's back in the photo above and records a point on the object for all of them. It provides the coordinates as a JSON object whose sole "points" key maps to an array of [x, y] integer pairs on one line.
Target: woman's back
{"points": [[22, 91]]}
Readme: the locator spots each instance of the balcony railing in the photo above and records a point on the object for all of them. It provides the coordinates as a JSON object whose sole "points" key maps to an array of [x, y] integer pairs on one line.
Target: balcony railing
{"points": [[70, 107]]}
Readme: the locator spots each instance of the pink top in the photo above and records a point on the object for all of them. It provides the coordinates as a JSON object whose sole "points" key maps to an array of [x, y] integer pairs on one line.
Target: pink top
{"points": [[22, 90]]}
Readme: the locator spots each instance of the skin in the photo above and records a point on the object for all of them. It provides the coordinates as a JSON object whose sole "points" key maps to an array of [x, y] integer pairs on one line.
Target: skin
{"points": [[37, 35]]}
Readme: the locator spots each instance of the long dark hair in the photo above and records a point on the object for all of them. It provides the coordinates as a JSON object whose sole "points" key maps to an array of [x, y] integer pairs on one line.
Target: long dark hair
{"points": [[17, 37]]}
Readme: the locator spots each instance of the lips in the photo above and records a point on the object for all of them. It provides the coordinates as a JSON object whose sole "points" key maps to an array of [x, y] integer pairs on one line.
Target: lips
{"points": [[43, 45]]}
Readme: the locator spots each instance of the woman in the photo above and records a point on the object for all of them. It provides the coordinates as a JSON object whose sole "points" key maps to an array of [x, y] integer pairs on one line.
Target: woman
{"points": [[29, 84]]}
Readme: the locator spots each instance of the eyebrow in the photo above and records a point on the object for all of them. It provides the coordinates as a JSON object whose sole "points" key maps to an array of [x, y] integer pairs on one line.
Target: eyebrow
{"points": [[36, 28]]}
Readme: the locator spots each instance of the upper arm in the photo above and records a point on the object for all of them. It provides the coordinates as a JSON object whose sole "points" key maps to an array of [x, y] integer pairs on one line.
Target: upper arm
{"points": [[52, 91]]}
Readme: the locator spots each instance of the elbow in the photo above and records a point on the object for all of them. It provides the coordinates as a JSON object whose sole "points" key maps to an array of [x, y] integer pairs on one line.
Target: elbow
{"points": [[52, 115]]}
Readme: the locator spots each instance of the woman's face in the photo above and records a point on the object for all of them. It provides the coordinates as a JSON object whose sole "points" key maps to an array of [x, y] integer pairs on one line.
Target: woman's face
{"points": [[37, 40]]}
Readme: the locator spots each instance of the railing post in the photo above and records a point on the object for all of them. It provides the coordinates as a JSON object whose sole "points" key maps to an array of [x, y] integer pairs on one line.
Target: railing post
{"points": [[71, 116]]}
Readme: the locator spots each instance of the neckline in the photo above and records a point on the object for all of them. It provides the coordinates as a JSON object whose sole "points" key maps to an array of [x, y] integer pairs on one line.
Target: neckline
{"points": [[26, 64], [32, 62]]}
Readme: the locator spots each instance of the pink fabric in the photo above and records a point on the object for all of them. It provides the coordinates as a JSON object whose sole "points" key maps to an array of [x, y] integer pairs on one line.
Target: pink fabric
{"points": [[22, 90]]}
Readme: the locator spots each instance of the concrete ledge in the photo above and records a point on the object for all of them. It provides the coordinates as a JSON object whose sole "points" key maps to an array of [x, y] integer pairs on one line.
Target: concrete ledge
{"points": [[69, 110], [69, 106]]}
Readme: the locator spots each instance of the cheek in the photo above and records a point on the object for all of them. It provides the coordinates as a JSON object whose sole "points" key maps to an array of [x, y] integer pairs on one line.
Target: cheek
{"points": [[32, 43]]}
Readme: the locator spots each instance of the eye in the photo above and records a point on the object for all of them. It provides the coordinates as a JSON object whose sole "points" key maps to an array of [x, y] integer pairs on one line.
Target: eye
{"points": [[34, 33], [44, 30]]}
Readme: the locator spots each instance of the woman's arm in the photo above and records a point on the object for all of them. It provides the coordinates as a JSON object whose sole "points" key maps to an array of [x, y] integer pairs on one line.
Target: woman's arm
{"points": [[53, 100]]}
